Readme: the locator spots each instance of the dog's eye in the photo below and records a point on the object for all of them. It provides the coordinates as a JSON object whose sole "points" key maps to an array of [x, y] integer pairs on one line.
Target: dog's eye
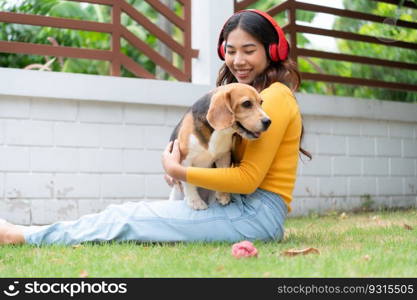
{"points": [[247, 104]]}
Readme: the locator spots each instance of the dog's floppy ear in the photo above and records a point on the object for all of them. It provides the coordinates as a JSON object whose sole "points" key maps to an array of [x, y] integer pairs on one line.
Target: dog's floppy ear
{"points": [[220, 114]]}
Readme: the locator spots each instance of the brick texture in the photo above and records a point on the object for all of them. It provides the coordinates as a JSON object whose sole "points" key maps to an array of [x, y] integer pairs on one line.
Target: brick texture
{"points": [[60, 159]]}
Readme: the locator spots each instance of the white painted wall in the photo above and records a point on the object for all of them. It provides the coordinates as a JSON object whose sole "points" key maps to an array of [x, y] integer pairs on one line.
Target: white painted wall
{"points": [[365, 153], [71, 144], [207, 23]]}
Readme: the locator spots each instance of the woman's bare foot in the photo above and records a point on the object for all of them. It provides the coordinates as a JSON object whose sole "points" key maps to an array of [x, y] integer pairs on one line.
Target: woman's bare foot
{"points": [[10, 234]]}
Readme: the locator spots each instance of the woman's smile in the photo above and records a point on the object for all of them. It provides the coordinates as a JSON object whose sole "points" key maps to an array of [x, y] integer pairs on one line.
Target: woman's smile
{"points": [[243, 74], [245, 56]]}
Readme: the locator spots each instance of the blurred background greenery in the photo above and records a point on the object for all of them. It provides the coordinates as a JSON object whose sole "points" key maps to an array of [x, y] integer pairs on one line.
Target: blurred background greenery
{"points": [[83, 39], [102, 41]]}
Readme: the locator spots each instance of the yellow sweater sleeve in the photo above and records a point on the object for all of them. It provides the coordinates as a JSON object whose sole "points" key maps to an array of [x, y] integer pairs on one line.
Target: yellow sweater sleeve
{"points": [[259, 154]]}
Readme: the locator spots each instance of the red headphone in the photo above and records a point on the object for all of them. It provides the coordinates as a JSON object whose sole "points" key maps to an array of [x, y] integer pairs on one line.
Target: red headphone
{"points": [[277, 52]]}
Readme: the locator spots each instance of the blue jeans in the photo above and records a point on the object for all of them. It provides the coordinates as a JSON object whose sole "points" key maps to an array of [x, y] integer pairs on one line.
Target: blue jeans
{"points": [[258, 216]]}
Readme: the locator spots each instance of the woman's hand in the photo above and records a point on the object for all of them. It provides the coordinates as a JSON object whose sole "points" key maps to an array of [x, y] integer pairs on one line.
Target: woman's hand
{"points": [[171, 182], [171, 161]]}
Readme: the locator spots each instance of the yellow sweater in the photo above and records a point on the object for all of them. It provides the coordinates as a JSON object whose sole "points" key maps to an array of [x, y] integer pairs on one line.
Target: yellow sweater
{"points": [[269, 162]]}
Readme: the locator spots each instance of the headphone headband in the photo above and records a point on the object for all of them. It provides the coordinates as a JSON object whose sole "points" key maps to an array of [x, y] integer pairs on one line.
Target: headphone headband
{"points": [[277, 52]]}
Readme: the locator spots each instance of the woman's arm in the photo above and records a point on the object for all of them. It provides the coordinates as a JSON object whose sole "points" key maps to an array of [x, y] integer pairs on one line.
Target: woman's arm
{"points": [[171, 158], [280, 105]]}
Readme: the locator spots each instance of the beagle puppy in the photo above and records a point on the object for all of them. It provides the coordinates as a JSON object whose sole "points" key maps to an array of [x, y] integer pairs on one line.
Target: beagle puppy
{"points": [[205, 133]]}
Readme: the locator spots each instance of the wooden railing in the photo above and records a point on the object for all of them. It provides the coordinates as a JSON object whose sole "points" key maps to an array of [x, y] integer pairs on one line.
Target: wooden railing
{"points": [[117, 32], [292, 28]]}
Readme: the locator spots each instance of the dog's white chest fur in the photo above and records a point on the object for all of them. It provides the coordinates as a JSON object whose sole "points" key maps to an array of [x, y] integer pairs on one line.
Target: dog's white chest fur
{"points": [[219, 144]]}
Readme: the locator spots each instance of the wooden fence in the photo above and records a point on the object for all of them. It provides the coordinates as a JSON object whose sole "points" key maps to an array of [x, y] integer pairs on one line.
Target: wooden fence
{"points": [[184, 50], [292, 28], [117, 32]]}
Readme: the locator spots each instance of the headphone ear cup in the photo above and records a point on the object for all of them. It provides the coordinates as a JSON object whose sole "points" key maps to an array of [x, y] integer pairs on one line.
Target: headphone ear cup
{"points": [[273, 52], [221, 51], [282, 49]]}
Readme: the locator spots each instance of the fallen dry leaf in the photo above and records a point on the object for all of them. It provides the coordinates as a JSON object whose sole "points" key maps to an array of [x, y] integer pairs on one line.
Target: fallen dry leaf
{"points": [[128, 257], [83, 274], [57, 261], [408, 227], [377, 219], [220, 268], [366, 257], [294, 252], [311, 225]]}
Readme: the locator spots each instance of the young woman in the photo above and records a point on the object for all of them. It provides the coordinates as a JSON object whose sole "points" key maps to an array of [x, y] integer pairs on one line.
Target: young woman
{"points": [[255, 53]]}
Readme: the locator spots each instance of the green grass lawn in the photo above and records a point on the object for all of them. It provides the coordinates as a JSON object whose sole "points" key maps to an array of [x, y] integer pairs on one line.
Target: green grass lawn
{"points": [[371, 244]]}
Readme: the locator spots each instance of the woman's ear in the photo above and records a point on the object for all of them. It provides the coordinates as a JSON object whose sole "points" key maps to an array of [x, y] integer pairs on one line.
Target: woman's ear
{"points": [[220, 114]]}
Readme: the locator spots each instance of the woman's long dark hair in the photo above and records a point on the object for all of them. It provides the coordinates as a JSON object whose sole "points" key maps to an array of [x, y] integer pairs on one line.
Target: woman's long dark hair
{"points": [[282, 71]]}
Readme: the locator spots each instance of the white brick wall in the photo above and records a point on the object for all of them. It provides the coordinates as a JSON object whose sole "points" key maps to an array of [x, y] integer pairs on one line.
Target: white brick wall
{"points": [[376, 166], [390, 186], [14, 107], [360, 186], [54, 160], [60, 159], [18, 185], [361, 146], [50, 109], [123, 186], [409, 147], [347, 166], [15, 132], [355, 160], [14, 159], [77, 135], [374, 128], [319, 166], [144, 114], [331, 144], [402, 130], [333, 186], [63, 157], [80, 186], [1, 186], [402, 167], [92, 112], [388, 146], [346, 127], [156, 187]]}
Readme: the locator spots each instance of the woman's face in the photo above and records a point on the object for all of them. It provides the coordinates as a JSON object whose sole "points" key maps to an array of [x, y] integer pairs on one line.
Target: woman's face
{"points": [[245, 56]]}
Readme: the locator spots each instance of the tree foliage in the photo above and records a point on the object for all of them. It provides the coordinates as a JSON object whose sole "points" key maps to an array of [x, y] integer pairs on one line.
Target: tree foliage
{"points": [[101, 41], [388, 51], [75, 38], [385, 32], [63, 37]]}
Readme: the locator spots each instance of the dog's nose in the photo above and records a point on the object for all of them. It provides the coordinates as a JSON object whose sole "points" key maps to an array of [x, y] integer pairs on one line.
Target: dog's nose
{"points": [[266, 122]]}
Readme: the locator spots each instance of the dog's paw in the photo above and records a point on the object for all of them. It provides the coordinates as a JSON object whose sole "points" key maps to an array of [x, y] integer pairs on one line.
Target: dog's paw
{"points": [[223, 198], [197, 204]]}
